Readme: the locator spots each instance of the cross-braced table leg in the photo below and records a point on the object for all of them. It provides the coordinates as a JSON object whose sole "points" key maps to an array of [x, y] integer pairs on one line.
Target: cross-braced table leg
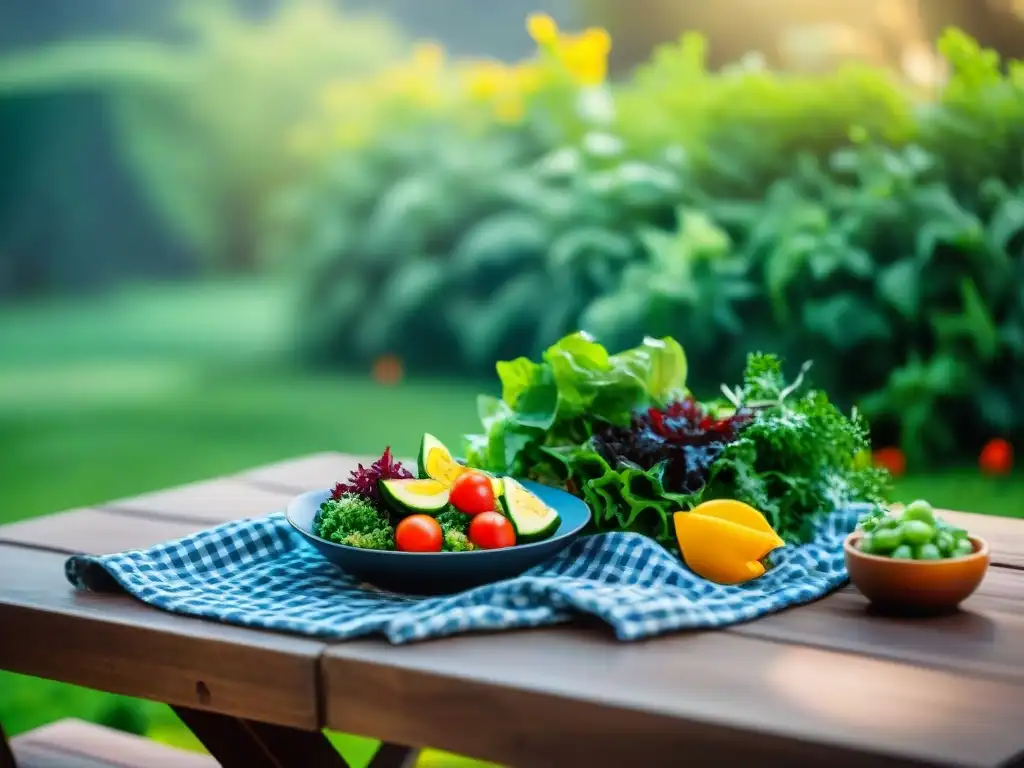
{"points": [[6, 755], [393, 756], [238, 743]]}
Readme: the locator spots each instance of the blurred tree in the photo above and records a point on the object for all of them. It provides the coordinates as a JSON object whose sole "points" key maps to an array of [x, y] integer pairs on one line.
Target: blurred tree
{"points": [[202, 118]]}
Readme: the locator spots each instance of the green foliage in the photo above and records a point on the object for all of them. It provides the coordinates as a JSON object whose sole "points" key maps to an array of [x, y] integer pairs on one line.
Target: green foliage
{"points": [[741, 126], [836, 217]]}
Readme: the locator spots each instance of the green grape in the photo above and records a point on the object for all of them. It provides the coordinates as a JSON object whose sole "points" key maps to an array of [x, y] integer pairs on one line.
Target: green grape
{"points": [[917, 532], [902, 552], [886, 539], [963, 548], [927, 552], [945, 542], [920, 510], [959, 534]]}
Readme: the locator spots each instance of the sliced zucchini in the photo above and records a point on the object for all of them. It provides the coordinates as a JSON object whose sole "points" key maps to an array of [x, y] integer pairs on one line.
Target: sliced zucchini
{"points": [[436, 462], [532, 518], [414, 496]]}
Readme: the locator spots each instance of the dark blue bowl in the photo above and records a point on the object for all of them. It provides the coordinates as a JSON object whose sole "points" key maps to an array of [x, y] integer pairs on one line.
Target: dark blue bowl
{"points": [[442, 572]]}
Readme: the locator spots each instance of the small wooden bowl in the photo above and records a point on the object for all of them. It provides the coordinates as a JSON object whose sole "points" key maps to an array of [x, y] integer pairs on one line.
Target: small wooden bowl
{"points": [[915, 586]]}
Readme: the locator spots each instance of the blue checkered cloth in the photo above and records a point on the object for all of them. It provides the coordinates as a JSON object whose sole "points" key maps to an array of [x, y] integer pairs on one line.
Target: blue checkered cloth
{"points": [[260, 573]]}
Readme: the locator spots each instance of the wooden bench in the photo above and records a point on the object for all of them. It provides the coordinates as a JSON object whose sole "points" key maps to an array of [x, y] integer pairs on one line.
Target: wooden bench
{"points": [[77, 744]]}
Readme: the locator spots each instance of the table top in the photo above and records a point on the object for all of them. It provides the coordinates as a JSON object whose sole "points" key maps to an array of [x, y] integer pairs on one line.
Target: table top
{"points": [[825, 681]]}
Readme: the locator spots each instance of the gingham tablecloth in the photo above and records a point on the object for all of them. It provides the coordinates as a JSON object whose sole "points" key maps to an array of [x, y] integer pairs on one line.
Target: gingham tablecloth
{"points": [[260, 573]]}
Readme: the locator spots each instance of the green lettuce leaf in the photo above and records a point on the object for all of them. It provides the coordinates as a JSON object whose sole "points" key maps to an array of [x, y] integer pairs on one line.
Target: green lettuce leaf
{"points": [[577, 376], [551, 402]]}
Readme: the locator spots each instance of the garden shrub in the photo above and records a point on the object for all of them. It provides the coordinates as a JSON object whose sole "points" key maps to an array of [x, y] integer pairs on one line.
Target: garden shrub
{"points": [[835, 217]]}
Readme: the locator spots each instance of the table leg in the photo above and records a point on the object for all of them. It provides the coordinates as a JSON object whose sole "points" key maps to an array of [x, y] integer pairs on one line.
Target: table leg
{"points": [[393, 756], [6, 755], [238, 743]]}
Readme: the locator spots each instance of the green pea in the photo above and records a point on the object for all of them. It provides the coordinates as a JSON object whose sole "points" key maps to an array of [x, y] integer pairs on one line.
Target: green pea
{"points": [[867, 544], [886, 539], [917, 532], [963, 548], [927, 552], [920, 510], [902, 552], [958, 533], [889, 522], [945, 542]]}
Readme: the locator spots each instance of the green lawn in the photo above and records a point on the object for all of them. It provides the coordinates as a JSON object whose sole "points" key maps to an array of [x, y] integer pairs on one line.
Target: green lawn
{"points": [[106, 398]]}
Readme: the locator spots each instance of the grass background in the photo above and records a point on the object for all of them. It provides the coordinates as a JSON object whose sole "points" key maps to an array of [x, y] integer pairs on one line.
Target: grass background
{"points": [[111, 396]]}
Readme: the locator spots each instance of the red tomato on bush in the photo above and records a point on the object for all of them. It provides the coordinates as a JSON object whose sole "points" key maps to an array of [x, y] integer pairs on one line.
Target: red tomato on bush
{"points": [[891, 459], [418, 533], [472, 493], [996, 457], [491, 530]]}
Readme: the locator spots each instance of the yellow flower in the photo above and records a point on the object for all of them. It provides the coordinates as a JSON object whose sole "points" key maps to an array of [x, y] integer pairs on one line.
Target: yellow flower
{"points": [[542, 29], [598, 40], [585, 56], [484, 79]]}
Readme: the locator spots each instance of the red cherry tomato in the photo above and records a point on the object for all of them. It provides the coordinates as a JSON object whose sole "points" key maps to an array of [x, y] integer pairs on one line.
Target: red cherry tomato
{"points": [[418, 533], [491, 530], [472, 493]]}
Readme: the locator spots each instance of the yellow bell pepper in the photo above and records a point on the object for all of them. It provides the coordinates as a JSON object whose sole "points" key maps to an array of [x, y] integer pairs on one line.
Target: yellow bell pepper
{"points": [[725, 540]]}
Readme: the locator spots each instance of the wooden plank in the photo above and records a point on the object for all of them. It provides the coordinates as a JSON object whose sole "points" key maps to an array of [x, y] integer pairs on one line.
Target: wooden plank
{"points": [[209, 502], [77, 744], [570, 697], [986, 637], [307, 473], [95, 531], [123, 646]]}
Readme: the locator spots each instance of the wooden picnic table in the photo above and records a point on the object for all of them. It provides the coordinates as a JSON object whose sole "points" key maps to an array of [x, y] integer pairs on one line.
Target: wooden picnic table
{"points": [[824, 683]]}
